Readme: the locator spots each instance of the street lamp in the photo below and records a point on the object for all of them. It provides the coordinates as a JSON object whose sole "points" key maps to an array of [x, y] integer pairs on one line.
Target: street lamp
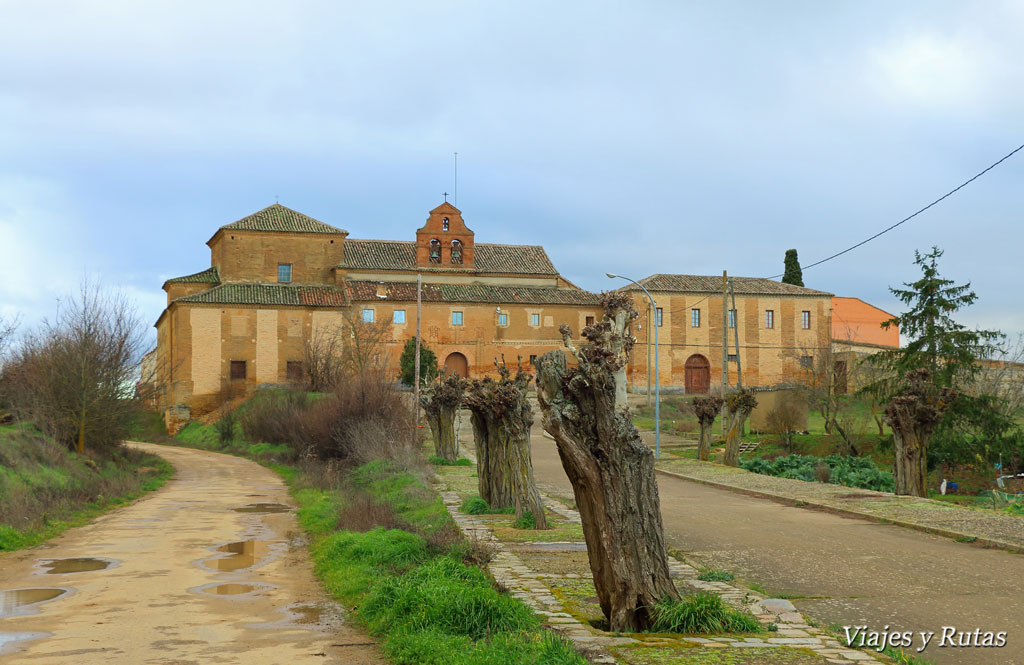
{"points": [[657, 387]]}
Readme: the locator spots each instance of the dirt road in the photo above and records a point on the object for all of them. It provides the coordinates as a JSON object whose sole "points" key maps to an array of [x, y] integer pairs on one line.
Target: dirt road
{"points": [[191, 580], [851, 571]]}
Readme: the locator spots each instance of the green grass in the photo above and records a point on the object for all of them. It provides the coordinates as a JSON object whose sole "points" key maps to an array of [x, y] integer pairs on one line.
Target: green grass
{"points": [[702, 612], [437, 460], [712, 575], [525, 521]]}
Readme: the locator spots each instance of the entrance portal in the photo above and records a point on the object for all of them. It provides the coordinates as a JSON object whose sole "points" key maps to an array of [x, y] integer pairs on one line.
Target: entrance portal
{"points": [[697, 375], [456, 363]]}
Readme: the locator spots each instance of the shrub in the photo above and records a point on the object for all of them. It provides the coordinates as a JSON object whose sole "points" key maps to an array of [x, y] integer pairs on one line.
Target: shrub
{"points": [[702, 612], [822, 472], [525, 521], [711, 575], [437, 460], [849, 471]]}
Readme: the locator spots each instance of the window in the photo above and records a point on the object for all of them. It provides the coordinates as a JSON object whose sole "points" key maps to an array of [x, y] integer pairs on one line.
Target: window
{"points": [[695, 318], [435, 251], [456, 252], [503, 319], [237, 370], [284, 272], [294, 371], [807, 362], [456, 318], [732, 318], [535, 319], [590, 320], [444, 224], [398, 316], [657, 316], [733, 358], [769, 318], [533, 360], [805, 319], [367, 315]]}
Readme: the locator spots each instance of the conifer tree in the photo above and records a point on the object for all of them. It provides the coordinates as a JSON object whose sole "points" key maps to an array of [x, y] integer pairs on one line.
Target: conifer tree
{"points": [[792, 274]]}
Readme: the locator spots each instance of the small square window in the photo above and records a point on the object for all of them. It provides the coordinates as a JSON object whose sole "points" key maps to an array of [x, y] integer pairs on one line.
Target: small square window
{"points": [[294, 371], [807, 362], [399, 316], [695, 318], [456, 318], [805, 319], [535, 319], [237, 370], [503, 319], [733, 358], [367, 315], [657, 316], [769, 318], [732, 318], [533, 360], [590, 320], [284, 272]]}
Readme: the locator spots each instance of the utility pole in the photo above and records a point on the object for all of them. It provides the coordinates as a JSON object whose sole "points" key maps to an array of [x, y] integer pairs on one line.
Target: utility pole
{"points": [[725, 343], [648, 356], [416, 370], [736, 331]]}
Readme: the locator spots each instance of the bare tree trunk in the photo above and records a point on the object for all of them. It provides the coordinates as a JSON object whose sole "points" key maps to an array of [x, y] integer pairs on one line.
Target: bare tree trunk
{"points": [[440, 401], [501, 418], [913, 415], [738, 408], [706, 408], [611, 471]]}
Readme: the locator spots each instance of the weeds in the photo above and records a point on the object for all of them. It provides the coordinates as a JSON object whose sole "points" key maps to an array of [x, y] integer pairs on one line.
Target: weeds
{"points": [[702, 612], [437, 460], [525, 521], [712, 575]]}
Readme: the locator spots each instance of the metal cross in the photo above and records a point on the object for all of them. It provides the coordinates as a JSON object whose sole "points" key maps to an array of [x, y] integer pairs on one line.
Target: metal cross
{"points": [[446, 197]]}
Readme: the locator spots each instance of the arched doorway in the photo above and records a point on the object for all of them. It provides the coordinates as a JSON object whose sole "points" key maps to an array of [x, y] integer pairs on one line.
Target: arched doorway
{"points": [[697, 375], [456, 363]]}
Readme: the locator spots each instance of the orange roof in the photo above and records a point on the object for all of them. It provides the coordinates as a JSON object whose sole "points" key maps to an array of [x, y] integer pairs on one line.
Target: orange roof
{"points": [[856, 321]]}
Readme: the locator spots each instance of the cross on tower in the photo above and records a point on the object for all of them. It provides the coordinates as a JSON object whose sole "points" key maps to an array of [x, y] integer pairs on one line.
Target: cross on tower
{"points": [[446, 197]]}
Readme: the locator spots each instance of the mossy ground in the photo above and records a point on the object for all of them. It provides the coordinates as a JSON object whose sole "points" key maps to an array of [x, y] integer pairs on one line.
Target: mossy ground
{"points": [[675, 654]]}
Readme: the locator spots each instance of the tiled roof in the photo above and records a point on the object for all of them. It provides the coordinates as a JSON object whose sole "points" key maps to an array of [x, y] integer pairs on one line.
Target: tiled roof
{"points": [[270, 294], [487, 258], [713, 284], [279, 218], [471, 293], [208, 276]]}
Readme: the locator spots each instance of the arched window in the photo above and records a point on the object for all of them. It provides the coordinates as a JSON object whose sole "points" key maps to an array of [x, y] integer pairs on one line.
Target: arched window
{"points": [[435, 251], [456, 252], [444, 224]]}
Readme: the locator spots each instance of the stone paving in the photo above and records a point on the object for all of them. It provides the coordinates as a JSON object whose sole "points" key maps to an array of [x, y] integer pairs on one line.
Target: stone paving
{"points": [[792, 630], [935, 517]]}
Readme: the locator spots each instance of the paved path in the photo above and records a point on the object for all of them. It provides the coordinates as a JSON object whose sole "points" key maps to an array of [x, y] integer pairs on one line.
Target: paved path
{"points": [[851, 570], [161, 603]]}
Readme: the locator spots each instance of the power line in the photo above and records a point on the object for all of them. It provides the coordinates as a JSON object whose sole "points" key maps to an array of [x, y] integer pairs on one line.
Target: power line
{"points": [[910, 217]]}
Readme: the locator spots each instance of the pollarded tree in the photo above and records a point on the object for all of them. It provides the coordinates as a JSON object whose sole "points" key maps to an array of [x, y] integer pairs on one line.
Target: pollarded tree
{"points": [[440, 402], [738, 406], [501, 418], [609, 466], [913, 414], [707, 408]]}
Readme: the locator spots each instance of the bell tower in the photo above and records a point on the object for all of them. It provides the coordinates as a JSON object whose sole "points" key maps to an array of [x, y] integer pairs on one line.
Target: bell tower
{"points": [[444, 242]]}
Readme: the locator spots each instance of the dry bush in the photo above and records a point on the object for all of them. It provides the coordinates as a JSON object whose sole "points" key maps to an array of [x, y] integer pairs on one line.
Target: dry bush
{"points": [[822, 472], [363, 512], [272, 416], [784, 420]]}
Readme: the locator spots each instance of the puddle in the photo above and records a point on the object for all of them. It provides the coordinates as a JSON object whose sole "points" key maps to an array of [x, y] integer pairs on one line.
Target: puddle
{"points": [[263, 508], [307, 614], [7, 640], [243, 554], [16, 602], [77, 565], [231, 589]]}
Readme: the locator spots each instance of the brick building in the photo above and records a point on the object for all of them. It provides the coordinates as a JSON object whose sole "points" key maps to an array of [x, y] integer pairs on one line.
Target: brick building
{"points": [[781, 329], [279, 278]]}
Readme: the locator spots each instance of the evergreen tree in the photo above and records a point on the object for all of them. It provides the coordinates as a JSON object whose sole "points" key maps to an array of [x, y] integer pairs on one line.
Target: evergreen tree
{"points": [[792, 274], [407, 363]]}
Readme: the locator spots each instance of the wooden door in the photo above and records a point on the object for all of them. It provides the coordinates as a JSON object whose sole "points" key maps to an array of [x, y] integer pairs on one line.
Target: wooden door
{"points": [[456, 363], [697, 375]]}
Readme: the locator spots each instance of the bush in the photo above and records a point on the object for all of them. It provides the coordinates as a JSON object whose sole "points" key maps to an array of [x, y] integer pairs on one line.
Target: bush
{"points": [[711, 575], [703, 612], [525, 521], [437, 460], [822, 472], [848, 471], [475, 505]]}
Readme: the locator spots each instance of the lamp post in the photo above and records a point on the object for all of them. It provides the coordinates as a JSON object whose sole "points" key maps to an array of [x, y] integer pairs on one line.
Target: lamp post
{"points": [[657, 387]]}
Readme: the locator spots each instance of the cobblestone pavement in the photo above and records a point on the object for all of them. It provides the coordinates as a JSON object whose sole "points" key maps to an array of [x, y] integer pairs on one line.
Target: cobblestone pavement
{"points": [[936, 517], [530, 586]]}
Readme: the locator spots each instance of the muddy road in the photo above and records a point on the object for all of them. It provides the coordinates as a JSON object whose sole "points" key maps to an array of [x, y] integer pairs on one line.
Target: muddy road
{"points": [[209, 569]]}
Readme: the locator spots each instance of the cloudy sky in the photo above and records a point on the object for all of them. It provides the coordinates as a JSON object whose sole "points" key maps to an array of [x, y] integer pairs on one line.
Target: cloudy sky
{"points": [[632, 137]]}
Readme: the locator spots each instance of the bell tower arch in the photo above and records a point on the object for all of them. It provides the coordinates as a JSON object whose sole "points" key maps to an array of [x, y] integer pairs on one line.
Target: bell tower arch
{"points": [[444, 241]]}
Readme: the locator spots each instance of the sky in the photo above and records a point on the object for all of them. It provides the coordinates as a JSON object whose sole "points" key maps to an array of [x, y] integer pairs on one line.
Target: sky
{"points": [[628, 137]]}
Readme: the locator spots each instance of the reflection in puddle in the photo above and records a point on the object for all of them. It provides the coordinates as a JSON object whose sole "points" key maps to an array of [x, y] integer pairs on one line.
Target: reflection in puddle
{"points": [[77, 565], [231, 589], [19, 601], [243, 554], [263, 508], [307, 614], [8, 639]]}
